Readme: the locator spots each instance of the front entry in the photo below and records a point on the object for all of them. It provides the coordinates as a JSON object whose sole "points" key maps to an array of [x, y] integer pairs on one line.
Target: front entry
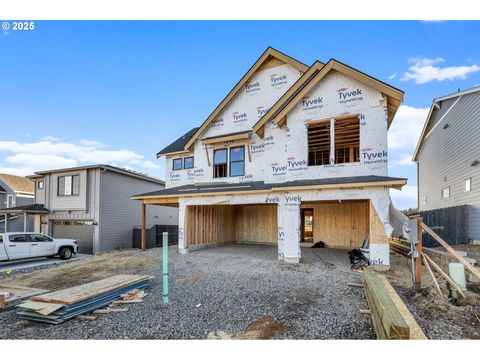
{"points": [[307, 225]]}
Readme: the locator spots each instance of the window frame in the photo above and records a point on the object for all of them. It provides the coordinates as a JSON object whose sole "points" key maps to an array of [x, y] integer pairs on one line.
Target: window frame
{"points": [[422, 202], [443, 193], [230, 162], [16, 241], [469, 182], [71, 182], [193, 162], [226, 149], [331, 125], [173, 164], [42, 183], [10, 201]]}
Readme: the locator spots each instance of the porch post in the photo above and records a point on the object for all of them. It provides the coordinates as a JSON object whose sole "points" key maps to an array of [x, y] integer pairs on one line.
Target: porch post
{"points": [[288, 219], [6, 222], [24, 222], [182, 228], [144, 231]]}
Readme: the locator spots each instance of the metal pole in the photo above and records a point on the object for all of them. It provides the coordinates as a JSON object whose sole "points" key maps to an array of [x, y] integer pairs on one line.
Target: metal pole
{"points": [[165, 268]]}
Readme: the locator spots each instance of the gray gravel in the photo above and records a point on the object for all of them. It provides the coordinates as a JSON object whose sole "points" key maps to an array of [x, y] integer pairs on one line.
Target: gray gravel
{"points": [[242, 283]]}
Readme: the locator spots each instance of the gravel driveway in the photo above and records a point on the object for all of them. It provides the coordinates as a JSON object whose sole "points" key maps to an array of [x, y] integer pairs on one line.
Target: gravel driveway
{"points": [[228, 290]]}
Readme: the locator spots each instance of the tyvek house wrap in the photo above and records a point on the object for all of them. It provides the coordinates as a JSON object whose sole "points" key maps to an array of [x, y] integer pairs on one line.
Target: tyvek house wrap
{"points": [[282, 155]]}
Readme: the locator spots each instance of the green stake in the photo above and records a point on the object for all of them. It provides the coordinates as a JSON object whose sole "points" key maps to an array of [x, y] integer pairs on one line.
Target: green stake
{"points": [[165, 267]]}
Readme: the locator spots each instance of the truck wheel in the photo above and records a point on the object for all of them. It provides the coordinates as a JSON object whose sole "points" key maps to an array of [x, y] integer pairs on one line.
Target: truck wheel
{"points": [[65, 253]]}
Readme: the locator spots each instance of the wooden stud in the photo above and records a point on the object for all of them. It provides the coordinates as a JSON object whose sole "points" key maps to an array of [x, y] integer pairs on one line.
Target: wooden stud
{"points": [[418, 260], [444, 275], [432, 275], [144, 224], [451, 250]]}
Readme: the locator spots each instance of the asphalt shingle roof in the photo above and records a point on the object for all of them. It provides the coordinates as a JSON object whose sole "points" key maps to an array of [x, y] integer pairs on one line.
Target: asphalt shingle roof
{"points": [[18, 183], [179, 144]]}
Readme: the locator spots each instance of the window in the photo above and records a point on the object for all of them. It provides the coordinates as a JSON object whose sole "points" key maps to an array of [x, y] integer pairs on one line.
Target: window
{"points": [[423, 200], [237, 161], [1, 238], [177, 164], [220, 163], [468, 184], [40, 184], [68, 185], [319, 144], [18, 238], [10, 201], [347, 140], [446, 193], [188, 162], [39, 238]]}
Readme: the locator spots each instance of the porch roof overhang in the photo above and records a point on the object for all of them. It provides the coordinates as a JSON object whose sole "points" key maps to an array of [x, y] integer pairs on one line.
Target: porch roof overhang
{"points": [[26, 209], [171, 195]]}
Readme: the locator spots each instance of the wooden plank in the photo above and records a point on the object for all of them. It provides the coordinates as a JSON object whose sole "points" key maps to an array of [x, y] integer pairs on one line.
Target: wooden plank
{"points": [[416, 332], [444, 275], [389, 322], [86, 291], [87, 317], [435, 282], [451, 250], [418, 259]]}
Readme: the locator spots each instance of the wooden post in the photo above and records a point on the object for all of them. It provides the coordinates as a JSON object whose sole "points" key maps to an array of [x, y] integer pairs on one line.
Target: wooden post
{"points": [[144, 231], [418, 260]]}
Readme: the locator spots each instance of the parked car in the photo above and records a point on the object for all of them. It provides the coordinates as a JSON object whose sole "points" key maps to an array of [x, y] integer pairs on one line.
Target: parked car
{"points": [[25, 245]]}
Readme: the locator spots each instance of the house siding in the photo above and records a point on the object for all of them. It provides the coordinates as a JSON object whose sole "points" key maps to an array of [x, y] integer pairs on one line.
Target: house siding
{"points": [[445, 158], [119, 215], [75, 202], [15, 223]]}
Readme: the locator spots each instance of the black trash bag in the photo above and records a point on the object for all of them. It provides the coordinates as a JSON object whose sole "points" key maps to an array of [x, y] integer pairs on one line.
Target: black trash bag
{"points": [[318, 245], [355, 255]]}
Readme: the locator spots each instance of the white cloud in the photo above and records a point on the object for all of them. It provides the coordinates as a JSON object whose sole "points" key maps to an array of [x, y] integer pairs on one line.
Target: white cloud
{"points": [[405, 131], [92, 143], [407, 198], [50, 138], [424, 70], [27, 157], [150, 165], [393, 76]]}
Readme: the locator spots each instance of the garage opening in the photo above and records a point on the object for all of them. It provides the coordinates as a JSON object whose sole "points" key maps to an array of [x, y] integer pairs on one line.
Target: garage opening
{"points": [[221, 224], [82, 231], [343, 225]]}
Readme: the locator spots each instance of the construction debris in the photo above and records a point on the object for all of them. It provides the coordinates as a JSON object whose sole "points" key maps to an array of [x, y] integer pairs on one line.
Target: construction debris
{"points": [[355, 285], [11, 294], [59, 306], [87, 317]]}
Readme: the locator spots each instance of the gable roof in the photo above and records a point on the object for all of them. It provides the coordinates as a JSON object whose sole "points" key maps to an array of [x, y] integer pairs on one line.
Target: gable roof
{"points": [[179, 144], [312, 77], [434, 108], [118, 170], [269, 53], [18, 184]]}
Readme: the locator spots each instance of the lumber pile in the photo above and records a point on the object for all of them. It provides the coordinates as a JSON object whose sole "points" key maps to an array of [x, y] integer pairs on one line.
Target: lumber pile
{"points": [[391, 318], [59, 306], [12, 294]]}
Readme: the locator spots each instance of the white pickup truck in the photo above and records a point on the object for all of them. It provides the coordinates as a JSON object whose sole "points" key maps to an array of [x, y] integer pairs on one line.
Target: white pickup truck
{"points": [[24, 245]]}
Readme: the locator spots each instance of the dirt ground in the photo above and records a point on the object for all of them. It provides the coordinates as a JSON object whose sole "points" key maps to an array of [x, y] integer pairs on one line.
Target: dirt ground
{"points": [[437, 317], [83, 271], [248, 294]]}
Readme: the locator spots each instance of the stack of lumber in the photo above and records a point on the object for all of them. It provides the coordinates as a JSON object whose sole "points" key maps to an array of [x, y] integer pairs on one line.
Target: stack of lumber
{"points": [[58, 306], [11, 294], [391, 318]]}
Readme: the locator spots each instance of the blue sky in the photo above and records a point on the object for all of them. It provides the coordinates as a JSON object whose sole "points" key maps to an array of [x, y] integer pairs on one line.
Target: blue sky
{"points": [[78, 92]]}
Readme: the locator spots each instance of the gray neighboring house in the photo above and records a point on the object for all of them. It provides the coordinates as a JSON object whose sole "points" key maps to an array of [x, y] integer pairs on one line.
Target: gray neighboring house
{"points": [[448, 156], [92, 204], [15, 192]]}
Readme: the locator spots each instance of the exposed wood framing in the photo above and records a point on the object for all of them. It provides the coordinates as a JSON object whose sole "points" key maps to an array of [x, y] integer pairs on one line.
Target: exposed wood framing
{"points": [[377, 230], [227, 138], [450, 250], [343, 225]]}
